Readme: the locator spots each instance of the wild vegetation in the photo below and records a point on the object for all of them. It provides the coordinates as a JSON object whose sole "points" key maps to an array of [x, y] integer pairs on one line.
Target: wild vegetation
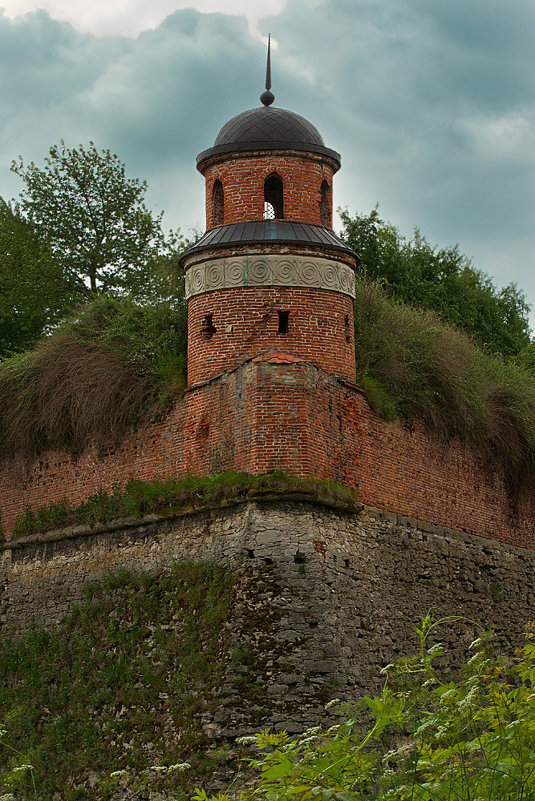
{"points": [[413, 366], [174, 496], [441, 279], [425, 738], [112, 700], [111, 365], [116, 691]]}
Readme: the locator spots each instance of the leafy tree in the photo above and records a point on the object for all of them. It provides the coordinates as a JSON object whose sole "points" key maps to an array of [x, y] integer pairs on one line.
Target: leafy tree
{"points": [[442, 279], [33, 292], [95, 222]]}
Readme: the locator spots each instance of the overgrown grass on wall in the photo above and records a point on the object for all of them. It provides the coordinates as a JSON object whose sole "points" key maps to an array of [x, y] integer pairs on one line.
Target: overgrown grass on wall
{"points": [[117, 364], [112, 365], [413, 366], [170, 496], [119, 685]]}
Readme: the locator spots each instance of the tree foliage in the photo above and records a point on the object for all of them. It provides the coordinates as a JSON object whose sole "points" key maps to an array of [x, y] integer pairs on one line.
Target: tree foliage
{"points": [[33, 293], [94, 219], [442, 279]]}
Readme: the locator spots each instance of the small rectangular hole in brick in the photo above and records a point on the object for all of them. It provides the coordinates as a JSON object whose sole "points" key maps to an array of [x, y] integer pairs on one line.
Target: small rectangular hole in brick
{"points": [[284, 317], [208, 328]]}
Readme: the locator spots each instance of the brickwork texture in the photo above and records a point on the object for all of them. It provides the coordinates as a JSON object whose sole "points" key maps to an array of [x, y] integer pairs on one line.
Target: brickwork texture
{"points": [[243, 187], [276, 411]]}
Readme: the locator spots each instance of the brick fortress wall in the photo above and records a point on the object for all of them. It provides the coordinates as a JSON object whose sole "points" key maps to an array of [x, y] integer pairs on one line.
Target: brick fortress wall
{"points": [[280, 412]]}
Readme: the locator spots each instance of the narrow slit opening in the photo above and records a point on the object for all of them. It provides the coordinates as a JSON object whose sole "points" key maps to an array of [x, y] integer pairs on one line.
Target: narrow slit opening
{"points": [[283, 321]]}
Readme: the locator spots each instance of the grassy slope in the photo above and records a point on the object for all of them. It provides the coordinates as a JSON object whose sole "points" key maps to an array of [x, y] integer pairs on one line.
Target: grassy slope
{"points": [[175, 496]]}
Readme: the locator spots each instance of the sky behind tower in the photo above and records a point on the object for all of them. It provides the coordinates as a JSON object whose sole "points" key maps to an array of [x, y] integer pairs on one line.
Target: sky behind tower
{"points": [[431, 104]]}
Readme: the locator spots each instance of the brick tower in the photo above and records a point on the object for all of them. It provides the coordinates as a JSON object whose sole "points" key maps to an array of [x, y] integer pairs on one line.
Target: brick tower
{"points": [[269, 275]]}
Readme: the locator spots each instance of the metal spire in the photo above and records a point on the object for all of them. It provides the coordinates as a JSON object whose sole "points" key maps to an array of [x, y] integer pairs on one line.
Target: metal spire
{"points": [[268, 97]]}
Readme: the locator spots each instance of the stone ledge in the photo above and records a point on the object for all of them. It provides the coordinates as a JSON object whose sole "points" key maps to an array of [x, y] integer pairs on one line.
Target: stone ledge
{"points": [[270, 497], [256, 496]]}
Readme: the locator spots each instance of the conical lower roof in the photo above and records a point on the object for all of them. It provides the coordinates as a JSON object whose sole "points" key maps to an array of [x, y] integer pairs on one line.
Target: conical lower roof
{"points": [[268, 128]]}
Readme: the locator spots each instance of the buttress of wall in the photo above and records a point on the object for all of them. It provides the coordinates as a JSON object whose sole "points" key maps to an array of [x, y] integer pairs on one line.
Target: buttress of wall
{"points": [[274, 413]]}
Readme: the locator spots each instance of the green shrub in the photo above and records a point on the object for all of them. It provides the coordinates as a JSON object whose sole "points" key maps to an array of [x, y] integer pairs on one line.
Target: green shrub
{"points": [[414, 366], [112, 365]]}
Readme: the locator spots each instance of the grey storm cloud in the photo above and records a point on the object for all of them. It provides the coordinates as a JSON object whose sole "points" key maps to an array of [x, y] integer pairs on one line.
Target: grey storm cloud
{"points": [[431, 105]]}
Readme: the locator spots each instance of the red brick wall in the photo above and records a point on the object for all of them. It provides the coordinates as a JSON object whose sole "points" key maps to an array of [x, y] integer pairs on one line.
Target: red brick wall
{"points": [[243, 187], [269, 414], [246, 321]]}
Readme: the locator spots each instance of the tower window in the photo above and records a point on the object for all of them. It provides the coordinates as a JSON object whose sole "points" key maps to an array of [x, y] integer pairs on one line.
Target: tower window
{"points": [[325, 204], [347, 329], [284, 317], [273, 197], [218, 204]]}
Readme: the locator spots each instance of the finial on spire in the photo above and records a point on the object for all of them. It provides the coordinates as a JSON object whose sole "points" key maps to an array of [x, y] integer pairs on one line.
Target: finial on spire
{"points": [[268, 97]]}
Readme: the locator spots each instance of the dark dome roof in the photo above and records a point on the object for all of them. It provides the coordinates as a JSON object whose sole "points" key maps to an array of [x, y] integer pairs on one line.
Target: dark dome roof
{"points": [[267, 128], [268, 124]]}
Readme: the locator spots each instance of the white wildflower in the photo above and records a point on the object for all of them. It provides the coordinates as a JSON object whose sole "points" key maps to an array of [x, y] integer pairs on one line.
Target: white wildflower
{"points": [[179, 766], [334, 702], [332, 729], [246, 740], [118, 773], [22, 768]]}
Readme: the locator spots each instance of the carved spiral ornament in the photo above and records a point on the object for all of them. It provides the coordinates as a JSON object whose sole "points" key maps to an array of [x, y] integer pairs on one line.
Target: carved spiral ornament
{"points": [[259, 272], [270, 270], [235, 272]]}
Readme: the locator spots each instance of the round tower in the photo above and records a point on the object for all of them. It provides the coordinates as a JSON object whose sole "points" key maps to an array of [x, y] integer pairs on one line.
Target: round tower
{"points": [[269, 275]]}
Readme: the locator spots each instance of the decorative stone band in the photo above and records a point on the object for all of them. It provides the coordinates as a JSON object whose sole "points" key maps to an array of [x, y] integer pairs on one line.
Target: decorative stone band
{"points": [[305, 271]]}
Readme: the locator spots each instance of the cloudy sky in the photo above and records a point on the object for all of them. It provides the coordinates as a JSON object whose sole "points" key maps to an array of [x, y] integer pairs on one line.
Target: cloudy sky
{"points": [[430, 102]]}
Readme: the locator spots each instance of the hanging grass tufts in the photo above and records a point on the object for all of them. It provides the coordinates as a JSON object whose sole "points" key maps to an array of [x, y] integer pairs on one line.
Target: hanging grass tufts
{"points": [[111, 366], [413, 366]]}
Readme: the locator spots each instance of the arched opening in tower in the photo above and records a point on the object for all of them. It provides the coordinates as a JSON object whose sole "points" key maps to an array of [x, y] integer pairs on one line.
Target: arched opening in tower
{"points": [[273, 197], [325, 204], [218, 204]]}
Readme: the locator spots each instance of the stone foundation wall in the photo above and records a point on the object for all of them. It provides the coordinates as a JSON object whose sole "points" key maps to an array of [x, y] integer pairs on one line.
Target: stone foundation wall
{"points": [[330, 597]]}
